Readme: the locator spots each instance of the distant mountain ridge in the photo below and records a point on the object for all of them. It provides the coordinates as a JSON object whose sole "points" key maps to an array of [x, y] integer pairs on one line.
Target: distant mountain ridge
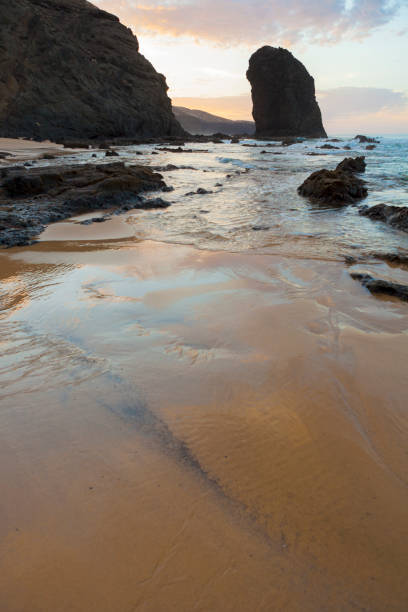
{"points": [[200, 122]]}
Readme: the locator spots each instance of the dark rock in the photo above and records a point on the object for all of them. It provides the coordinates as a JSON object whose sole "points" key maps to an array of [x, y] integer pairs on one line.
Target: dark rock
{"points": [[370, 147], [260, 228], [288, 142], [328, 146], [362, 138], [382, 287], [171, 168], [394, 259], [94, 220], [71, 70], [220, 136], [352, 164], [283, 95], [347, 148], [181, 150], [41, 196], [235, 140], [396, 216], [155, 203], [200, 191], [110, 153], [335, 187]]}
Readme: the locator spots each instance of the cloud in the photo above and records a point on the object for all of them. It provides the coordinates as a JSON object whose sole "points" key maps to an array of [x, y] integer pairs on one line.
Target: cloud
{"points": [[231, 22], [351, 101], [370, 109]]}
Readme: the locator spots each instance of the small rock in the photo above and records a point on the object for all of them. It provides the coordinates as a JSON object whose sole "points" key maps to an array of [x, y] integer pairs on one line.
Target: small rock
{"points": [[382, 287]]}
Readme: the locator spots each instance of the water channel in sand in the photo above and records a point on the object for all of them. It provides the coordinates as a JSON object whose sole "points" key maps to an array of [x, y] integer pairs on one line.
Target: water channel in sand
{"points": [[199, 430]]}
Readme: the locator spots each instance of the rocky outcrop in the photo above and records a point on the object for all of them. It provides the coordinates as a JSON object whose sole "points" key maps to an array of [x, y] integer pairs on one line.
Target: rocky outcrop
{"points": [[70, 70], [352, 165], [382, 287], [337, 187], [31, 199], [283, 95], [396, 216], [361, 138]]}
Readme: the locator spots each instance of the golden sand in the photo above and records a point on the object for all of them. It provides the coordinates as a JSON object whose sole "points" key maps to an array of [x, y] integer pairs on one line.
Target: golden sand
{"points": [[235, 440]]}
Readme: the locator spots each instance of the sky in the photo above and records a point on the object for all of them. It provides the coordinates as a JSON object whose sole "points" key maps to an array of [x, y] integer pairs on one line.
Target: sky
{"points": [[357, 51]]}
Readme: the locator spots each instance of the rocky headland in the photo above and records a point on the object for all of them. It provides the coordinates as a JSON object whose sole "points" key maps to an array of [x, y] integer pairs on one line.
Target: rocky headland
{"points": [[283, 95], [70, 70]]}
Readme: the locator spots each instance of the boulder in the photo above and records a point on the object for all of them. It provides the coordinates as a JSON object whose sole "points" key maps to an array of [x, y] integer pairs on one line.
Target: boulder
{"points": [[396, 216], [337, 187], [70, 70], [352, 164], [362, 138], [283, 95]]}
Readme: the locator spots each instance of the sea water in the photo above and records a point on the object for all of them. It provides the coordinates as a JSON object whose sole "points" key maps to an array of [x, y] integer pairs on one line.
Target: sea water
{"points": [[253, 202]]}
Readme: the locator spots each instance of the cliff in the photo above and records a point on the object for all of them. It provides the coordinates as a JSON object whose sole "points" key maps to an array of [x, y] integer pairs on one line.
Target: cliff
{"points": [[71, 70]]}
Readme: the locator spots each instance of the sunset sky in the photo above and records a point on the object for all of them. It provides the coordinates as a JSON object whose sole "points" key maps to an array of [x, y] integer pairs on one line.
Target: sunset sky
{"points": [[356, 50]]}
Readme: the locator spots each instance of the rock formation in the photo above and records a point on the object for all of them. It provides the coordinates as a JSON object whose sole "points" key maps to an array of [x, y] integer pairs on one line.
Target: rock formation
{"points": [[71, 70], [396, 216], [32, 198], [283, 95], [336, 187], [382, 287]]}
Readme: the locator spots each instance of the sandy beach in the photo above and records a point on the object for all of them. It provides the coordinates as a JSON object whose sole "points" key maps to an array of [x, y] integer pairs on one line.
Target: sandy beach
{"points": [[19, 150], [203, 307], [187, 429]]}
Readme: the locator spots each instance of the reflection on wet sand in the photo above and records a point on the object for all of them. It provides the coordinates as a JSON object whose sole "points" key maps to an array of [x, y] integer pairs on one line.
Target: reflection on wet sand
{"points": [[199, 431]]}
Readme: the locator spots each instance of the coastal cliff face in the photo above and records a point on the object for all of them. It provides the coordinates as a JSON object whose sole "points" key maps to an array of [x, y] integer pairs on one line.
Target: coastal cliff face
{"points": [[283, 95], [71, 70]]}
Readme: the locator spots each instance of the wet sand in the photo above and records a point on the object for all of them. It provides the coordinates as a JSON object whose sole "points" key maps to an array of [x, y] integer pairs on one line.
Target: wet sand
{"points": [[190, 430], [25, 150]]}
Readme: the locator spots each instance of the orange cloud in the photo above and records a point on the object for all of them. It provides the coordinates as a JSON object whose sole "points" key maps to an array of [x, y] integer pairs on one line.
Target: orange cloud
{"points": [[230, 22]]}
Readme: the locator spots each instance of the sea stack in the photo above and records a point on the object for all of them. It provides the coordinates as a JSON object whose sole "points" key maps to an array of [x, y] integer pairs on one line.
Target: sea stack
{"points": [[71, 70], [283, 95]]}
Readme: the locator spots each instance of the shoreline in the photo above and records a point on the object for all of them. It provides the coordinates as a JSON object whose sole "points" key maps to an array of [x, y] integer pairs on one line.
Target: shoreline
{"points": [[20, 149]]}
